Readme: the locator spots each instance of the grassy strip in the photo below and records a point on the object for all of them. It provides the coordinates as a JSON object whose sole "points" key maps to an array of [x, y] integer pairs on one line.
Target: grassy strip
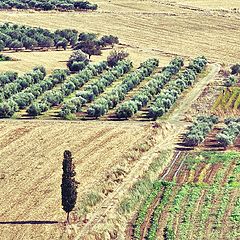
{"points": [[144, 186]]}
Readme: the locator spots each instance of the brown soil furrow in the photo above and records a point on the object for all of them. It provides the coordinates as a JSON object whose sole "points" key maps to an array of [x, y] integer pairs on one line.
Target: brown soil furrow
{"points": [[217, 200], [147, 222], [225, 229]]}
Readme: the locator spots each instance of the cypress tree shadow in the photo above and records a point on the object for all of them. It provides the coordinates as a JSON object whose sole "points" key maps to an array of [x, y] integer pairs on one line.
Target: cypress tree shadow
{"points": [[28, 222]]}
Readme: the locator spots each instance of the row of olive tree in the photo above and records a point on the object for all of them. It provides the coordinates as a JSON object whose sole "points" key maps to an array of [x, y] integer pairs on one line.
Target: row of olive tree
{"points": [[153, 87], [199, 130], [7, 77], [25, 97], [22, 82], [230, 133], [165, 100], [55, 97], [48, 5], [96, 87], [19, 37], [111, 99]]}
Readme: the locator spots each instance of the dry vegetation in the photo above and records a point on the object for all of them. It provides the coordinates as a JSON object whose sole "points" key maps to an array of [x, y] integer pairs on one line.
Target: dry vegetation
{"points": [[148, 28], [31, 159]]}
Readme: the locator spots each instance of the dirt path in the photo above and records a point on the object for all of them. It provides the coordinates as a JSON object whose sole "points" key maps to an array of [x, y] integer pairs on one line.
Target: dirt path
{"points": [[142, 165], [167, 142], [191, 96]]}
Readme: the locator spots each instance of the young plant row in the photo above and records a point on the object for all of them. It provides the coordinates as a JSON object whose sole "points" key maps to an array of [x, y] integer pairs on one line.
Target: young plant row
{"points": [[165, 100], [151, 89], [144, 209], [230, 133], [152, 232], [55, 97], [94, 89], [25, 97], [118, 94], [176, 207], [199, 130]]}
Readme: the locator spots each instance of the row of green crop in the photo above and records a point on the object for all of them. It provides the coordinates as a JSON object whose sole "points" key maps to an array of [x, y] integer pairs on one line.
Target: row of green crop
{"points": [[230, 133], [228, 189], [205, 210], [199, 130], [152, 232], [95, 88], [152, 88], [193, 225], [118, 94], [157, 186], [55, 97], [165, 100]]}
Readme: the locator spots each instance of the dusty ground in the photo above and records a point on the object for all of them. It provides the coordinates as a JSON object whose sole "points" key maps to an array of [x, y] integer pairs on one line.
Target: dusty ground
{"points": [[31, 158]]}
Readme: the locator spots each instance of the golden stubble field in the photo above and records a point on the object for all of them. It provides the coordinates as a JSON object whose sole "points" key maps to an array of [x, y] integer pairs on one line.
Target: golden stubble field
{"points": [[147, 28], [31, 167]]}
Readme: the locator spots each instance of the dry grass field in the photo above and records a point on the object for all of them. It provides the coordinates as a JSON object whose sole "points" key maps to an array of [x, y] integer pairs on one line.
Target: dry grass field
{"points": [[31, 162], [148, 28]]}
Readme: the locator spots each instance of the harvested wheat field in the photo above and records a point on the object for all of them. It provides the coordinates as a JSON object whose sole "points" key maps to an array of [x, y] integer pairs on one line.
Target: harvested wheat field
{"points": [[153, 28], [31, 159]]}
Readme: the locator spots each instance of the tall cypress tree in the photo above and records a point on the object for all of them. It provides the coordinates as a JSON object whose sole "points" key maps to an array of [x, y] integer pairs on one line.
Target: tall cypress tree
{"points": [[69, 185]]}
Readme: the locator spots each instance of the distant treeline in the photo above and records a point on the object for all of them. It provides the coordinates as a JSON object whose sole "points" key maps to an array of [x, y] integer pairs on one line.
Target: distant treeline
{"points": [[47, 5], [18, 37]]}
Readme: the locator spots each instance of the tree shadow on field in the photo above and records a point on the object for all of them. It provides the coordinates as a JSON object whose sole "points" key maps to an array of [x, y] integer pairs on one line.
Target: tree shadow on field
{"points": [[28, 222]]}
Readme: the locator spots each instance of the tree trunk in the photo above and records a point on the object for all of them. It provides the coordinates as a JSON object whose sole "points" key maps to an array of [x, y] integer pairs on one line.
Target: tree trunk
{"points": [[68, 217]]}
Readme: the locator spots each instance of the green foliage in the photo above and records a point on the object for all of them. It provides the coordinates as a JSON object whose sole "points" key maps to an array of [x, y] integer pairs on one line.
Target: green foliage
{"points": [[111, 99], [230, 81], [165, 100], [54, 98], [235, 69], [5, 58], [152, 88], [116, 56], [48, 5], [69, 185], [229, 134], [199, 130], [20, 36]]}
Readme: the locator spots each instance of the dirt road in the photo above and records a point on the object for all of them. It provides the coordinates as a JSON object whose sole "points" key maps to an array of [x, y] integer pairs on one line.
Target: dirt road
{"points": [[167, 142]]}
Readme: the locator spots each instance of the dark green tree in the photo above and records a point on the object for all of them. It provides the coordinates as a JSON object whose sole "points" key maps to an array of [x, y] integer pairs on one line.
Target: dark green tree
{"points": [[69, 185]]}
